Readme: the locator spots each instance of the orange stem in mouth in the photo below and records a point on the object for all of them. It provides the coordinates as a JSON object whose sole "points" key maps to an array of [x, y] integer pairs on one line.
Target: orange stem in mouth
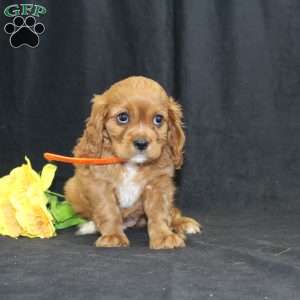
{"points": [[83, 160]]}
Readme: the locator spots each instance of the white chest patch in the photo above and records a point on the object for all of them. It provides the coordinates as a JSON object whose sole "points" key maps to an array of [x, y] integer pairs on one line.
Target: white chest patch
{"points": [[129, 189]]}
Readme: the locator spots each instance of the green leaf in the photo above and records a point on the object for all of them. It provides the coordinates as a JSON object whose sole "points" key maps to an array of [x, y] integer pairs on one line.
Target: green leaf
{"points": [[76, 220], [62, 212]]}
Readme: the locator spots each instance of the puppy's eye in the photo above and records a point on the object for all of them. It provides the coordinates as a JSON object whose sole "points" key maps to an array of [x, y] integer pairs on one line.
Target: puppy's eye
{"points": [[123, 118], [158, 120]]}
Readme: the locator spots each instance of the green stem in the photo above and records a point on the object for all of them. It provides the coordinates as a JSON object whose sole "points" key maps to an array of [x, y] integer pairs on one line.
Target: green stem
{"points": [[55, 194]]}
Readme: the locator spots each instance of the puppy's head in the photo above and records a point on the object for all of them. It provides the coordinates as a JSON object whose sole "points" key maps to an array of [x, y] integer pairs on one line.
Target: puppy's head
{"points": [[138, 119]]}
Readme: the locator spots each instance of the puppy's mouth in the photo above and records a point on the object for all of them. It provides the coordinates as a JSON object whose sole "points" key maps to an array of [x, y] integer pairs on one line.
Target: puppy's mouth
{"points": [[137, 152], [139, 158]]}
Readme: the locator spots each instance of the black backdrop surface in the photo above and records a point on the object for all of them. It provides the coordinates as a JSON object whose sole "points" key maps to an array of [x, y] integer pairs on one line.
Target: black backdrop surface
{"points": [[234, 66]]}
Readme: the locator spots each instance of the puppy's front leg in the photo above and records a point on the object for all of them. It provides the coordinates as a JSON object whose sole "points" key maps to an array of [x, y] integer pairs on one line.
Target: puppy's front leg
{"points": [[158, 199], [107, 216]]}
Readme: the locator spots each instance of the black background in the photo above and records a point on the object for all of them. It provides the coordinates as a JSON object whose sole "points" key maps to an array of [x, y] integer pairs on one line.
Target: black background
{"points": [[234, 65]]}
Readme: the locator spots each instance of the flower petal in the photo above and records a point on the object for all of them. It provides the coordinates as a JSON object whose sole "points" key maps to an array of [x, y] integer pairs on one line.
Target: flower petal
{"points": [[47, 176], [23, 202]]}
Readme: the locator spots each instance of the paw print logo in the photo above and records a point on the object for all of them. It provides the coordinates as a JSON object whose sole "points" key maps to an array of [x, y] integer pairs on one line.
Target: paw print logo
{"points": [[24, 32]]}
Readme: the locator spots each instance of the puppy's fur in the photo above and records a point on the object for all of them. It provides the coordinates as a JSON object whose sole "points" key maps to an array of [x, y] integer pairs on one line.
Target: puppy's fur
{"points": [[140, 191]]}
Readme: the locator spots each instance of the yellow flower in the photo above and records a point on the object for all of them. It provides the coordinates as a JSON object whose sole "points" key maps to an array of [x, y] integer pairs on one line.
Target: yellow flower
{"points": [[23, 202]]}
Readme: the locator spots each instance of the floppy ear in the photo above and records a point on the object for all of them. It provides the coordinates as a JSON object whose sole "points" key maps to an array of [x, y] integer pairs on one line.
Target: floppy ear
{"points": [[90, 144], [176, 137]]}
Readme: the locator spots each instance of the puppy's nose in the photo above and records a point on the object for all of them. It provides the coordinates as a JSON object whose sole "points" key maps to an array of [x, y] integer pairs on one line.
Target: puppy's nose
{"points": [[140, 144]]}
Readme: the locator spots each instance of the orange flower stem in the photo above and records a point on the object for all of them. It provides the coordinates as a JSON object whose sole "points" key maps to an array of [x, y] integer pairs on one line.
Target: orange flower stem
{"points": [[83, 160]]}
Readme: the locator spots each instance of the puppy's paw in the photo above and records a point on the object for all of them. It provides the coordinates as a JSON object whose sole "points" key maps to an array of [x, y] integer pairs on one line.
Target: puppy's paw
{"points": [[113, 240], [170, 241], [86, 228], [187, 226]]}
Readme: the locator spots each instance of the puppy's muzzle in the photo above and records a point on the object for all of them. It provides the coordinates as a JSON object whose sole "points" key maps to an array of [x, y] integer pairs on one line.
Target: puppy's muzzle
{"points": [[140, 144]]}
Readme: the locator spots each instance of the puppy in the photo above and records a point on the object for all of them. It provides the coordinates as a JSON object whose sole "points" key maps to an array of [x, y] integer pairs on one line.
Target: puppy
{"points": [[137, 121]]}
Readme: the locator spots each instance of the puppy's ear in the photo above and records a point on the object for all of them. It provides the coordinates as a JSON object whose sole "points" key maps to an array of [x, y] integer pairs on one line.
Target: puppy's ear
{"points": [[90, 144], [176, 137]]}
